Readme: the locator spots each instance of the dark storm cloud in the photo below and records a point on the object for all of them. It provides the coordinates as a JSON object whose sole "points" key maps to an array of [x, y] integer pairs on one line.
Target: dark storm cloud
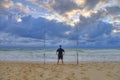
{"points": [[35, 28], [115, 10], [62, 6]]}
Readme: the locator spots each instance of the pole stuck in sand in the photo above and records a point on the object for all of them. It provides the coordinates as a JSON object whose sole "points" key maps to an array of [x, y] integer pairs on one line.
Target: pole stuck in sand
{"points": [[77, 52], [44, 48], [77, 42], [44, 58], [44, 45]]}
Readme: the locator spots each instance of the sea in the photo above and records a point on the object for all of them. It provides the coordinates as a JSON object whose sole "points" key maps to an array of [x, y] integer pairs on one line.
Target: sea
{"points": [[49, 55]]}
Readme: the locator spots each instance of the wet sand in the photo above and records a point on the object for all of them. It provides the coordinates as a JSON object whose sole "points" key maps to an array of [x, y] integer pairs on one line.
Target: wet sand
{"points": [[52, 71]]}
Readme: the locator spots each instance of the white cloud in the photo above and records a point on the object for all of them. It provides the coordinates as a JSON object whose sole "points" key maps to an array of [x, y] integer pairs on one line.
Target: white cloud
{"points": [[44, 4], [19, 19], [80, 2], [22, 8], [115, 31], [68, 11], [13, 10], [6, 3]]}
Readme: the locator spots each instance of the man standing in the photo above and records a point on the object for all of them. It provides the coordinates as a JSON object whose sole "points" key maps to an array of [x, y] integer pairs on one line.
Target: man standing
{"points": [[60, 52]]}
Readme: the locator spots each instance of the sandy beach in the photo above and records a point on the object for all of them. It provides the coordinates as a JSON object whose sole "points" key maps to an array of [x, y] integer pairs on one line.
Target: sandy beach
{"points": [[52, 71]]}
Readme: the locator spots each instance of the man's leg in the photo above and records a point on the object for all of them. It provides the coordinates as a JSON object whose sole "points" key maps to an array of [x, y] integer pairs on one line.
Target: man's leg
{"points": [[62, 61], [58, 61]]}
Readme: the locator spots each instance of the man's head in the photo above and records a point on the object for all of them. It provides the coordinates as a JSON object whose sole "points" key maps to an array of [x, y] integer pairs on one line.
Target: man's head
{"points": [[60, 46]]}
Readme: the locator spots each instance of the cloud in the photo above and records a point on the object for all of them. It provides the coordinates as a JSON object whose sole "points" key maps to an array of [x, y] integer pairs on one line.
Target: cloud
{"points": [[22, 8], [68, 8], [18, 9], [11, 14], [35, 28], [31, 31], [115, 10], [68, 11], [9, 7], [114, 2], [97, 22], [58, 9], [93, 31], [17, 41], [91, 4], [64, 6], [6, 4]]}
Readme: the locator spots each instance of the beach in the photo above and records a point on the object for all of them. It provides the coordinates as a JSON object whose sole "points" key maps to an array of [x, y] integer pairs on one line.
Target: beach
{"points": [[12, 70]]}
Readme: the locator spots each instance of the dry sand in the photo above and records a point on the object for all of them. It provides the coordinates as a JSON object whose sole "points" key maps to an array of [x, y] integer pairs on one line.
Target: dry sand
{"points": [[52, 71]]}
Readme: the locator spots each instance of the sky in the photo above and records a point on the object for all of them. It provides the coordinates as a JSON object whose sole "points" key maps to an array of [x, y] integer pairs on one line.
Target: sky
{"points": [[71, 23]]}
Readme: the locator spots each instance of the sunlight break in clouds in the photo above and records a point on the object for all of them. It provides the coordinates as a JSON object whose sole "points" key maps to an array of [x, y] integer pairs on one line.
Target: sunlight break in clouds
{"points": [[69, 11], [115, 31], [6, 3], [19, 19], [22, 8]]}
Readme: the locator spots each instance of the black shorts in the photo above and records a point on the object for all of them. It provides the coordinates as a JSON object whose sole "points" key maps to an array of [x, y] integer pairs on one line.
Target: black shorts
{"points": [[60, 56]]}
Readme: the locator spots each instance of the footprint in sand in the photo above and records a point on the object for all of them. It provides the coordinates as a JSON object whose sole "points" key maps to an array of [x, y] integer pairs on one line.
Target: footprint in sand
{"points": [[82, 73], [85, 78], [41, 75]]}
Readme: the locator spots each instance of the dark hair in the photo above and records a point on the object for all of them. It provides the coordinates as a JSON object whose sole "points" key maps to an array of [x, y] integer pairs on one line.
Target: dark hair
{"points": [[60, 46]]}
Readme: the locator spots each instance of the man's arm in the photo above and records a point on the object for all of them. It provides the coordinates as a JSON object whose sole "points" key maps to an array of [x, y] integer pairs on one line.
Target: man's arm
{"points": [[63, 51], [56, 52]]}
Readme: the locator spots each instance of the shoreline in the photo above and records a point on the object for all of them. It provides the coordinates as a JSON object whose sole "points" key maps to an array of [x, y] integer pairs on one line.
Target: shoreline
{"points": [[65, 62]]}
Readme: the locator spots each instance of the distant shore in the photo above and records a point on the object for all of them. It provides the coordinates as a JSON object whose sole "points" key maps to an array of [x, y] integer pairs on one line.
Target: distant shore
{"points": [[12, 70]]}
